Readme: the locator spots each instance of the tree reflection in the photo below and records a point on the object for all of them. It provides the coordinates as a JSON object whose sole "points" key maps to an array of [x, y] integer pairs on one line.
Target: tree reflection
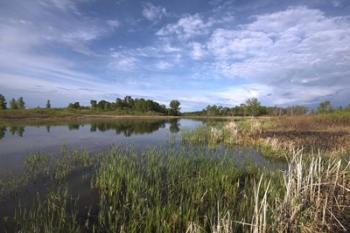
{"points": [[174, 125], [18, 130], [2, 132], [73, 126], [128, 127]]}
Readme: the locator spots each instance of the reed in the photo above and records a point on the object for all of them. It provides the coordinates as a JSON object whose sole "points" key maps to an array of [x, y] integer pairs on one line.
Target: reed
{"points": [[188, 190]]}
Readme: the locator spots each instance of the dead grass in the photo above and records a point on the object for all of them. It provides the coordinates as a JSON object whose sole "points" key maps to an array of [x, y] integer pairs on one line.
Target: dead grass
{"points": [[326, 134], [315, 199]]}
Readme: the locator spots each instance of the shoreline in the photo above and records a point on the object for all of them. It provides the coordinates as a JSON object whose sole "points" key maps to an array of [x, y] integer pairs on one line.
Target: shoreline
{"points": [[28, 115]]}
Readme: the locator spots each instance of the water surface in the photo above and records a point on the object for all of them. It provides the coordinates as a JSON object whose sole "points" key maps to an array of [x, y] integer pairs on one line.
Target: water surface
{"points": [[19, 141]]}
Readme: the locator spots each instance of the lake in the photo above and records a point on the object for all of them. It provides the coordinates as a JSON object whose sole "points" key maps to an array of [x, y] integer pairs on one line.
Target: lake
{"points": [[17, 142], [21, 140]]}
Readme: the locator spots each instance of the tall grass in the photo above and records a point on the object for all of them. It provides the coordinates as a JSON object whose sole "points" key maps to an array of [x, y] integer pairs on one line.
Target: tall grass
{"points": [[56, 213], [185, 190], [316, 195], [165, 192]]}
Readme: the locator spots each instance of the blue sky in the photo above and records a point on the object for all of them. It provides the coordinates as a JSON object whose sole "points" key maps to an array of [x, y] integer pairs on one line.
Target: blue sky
{"points": [[199, 52]]}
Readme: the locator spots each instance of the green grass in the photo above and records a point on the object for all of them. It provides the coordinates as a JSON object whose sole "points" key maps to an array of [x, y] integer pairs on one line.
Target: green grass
{"points": [[179, 190], [165, 192], [65, 113]]}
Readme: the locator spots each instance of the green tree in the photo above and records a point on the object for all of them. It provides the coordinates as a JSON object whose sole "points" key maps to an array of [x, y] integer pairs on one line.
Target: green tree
{"points": [[324, 107], [13, 104], [253, 106], [75, 105], [175, 107], [48, 104], [3, 104], [21, 103], [93, 104], [129, 102], [104, 105]]}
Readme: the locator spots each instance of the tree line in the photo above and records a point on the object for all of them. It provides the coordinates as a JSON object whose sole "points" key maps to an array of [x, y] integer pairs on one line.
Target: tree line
{"points": [[14, 103], [130, 104], [252, 107], [126, 104]]}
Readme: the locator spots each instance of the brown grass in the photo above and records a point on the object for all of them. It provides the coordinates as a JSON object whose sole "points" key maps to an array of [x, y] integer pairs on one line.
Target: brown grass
{"points": [[312, 133]]}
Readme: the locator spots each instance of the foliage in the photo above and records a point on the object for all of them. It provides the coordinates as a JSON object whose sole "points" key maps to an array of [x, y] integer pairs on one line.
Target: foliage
{"points": [[75, 105], [3, 104], [93, 104], [130, 104], [48, 104], [174, 107], [17, 104], [13, 104], [21, 103], [324, 107], [253, 106]]}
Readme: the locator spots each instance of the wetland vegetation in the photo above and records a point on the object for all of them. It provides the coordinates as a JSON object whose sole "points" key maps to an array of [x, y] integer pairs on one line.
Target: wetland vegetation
{"points": [[250, 174]]}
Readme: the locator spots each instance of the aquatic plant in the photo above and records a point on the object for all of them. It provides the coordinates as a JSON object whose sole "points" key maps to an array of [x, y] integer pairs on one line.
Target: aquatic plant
{"points": [[182, 189]]}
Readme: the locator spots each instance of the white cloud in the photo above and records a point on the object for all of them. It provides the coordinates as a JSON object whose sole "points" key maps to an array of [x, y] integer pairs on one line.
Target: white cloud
{"points": [[113, 23], [298, 49], [81, 35], [163, 65], [239, 94], [186, 27], [198, 51], [152, 12], [63, 5], [230, 44], [122, 62]]}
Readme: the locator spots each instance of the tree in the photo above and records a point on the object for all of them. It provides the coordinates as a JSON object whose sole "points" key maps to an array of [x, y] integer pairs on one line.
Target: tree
{"points": [[129, 101], [75, 105], [119, 103], [20, 103], [13, 104], [93, 104], [175, 107], [253, 106], [48, 104], [104, 105], [324, 107], [3, 104]]}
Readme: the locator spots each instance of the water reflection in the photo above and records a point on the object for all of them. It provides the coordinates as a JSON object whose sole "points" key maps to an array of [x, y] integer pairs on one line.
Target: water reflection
{"points": [[2, 132], [17, 130], [128, 128], [174, 125], [73, 126]]}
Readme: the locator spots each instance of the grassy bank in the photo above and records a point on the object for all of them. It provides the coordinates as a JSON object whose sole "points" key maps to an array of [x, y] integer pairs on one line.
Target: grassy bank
{"points": [[168, 190], [64, 114], [278, 137], [38, 117]]}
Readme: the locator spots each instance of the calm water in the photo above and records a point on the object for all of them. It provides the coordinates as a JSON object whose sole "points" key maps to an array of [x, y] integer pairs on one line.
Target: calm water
{"points": [[17, 142]]}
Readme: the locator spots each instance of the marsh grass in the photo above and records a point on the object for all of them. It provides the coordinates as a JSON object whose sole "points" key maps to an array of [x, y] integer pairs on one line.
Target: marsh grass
{"points": [[279, 137], [187, 190], [56, 213], [164, 192], [316, 195]]}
